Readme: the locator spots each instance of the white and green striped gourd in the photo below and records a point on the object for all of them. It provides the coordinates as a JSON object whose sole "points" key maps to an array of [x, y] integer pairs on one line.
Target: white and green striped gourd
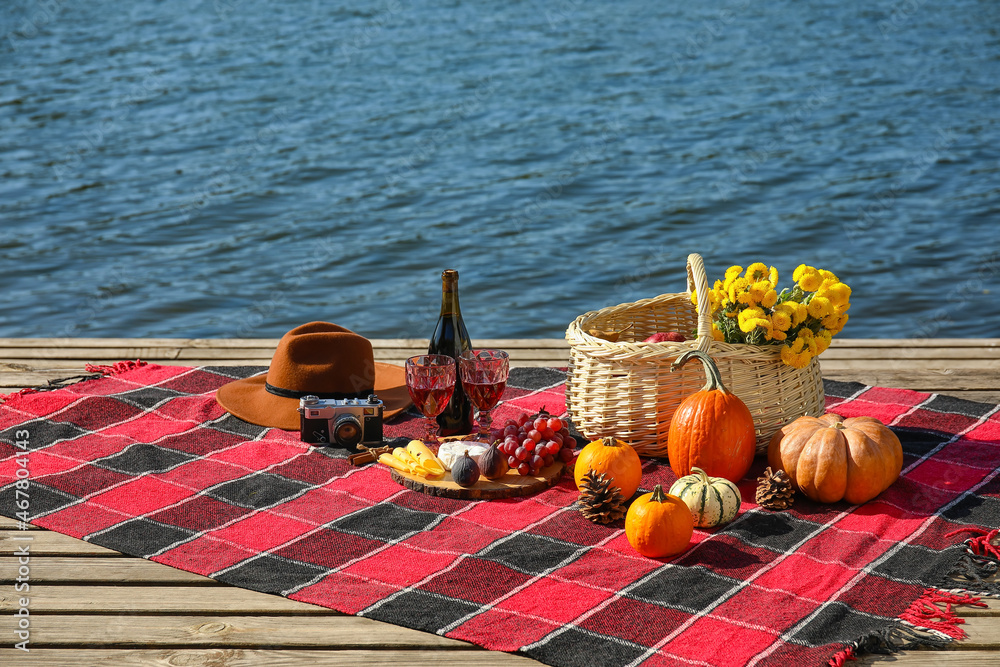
{"points": [[713, 500]]}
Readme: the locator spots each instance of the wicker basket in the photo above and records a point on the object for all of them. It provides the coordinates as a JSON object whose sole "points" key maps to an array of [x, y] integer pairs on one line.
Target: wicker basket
{"points": [[626, 389]]}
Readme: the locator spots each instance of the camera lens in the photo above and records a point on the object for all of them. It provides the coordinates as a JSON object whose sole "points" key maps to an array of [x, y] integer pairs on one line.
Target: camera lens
{"points": [[347, 431]]}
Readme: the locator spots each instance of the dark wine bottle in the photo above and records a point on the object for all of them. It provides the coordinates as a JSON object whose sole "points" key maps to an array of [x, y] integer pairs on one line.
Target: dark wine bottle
{"points": [[452, 338]]}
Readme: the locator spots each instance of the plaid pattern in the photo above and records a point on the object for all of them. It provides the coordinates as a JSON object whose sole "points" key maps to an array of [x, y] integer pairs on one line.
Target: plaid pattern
{"points": [[145, 462]]}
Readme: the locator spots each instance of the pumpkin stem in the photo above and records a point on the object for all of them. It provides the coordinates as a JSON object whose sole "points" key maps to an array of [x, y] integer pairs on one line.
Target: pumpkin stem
{"points": [[712, 374], [658, 494], [701, 473], [839, 425], [611, 442]]}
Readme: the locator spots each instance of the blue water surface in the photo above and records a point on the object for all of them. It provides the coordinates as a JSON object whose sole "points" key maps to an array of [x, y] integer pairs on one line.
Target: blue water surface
{"points": [[237, 167]]}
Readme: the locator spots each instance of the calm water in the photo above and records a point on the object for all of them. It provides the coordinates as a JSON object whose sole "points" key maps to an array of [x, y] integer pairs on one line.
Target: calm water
{"points": [[237, 167]]}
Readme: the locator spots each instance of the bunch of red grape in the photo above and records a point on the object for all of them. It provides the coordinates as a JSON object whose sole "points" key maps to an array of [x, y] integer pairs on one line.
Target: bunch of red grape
{"points": [[532, 442]]}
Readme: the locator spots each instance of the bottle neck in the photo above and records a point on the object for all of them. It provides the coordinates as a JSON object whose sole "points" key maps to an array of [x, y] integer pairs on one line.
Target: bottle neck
{"points": [[449, 294]]}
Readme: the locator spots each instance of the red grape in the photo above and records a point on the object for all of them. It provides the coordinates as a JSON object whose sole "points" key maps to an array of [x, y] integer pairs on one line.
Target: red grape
{"points": [[528, 442], [537, 462], [564, 430], [535, 435], [541, 423], [549, 460], [553, 447], [510, 430], [510, 422], [521, 453], [547, 433], [522, 420], [555, 424], [524, 469], [558, 439], [565, 454], [512, 461]]}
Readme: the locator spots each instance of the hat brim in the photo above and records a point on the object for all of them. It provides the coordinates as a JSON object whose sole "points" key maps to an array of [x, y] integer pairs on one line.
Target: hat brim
{"points": [[251, 402]]}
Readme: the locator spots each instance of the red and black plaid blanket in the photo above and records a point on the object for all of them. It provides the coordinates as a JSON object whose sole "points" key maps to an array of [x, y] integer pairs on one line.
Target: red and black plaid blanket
{"points": [[145, 462]]}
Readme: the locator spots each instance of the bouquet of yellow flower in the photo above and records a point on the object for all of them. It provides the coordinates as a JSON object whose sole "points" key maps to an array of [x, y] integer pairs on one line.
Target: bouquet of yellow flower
{"points": [[747, 308]]}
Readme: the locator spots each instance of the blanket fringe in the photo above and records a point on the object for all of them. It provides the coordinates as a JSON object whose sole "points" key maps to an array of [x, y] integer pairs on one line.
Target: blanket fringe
{"points": [[930, 621], [115, 369], [94, 371]]}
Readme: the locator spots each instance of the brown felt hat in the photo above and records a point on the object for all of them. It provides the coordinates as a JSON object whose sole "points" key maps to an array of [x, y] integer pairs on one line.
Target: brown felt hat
{"points": [[318, 358]]}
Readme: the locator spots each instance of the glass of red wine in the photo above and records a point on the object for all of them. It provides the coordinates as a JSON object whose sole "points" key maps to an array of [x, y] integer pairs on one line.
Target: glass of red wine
{"points": [[430, 378], [484, 377]]}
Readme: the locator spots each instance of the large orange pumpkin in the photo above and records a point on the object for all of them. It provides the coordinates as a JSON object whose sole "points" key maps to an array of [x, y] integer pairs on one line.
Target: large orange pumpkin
{"points": [[830, 458], [616, 459], [712, 429], [658, 524]]}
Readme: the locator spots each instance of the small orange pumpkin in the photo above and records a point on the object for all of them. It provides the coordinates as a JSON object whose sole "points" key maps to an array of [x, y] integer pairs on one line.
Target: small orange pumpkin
{"points": [[830, 458], [613, 457], [658, 524], [712, 429]]}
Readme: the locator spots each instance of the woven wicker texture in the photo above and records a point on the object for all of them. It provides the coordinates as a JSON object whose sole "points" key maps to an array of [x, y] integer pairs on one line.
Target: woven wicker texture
{"points": [[626, 388]]}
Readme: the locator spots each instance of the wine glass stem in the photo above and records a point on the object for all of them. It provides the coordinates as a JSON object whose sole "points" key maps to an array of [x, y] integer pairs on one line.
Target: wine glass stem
{"points": [[431, 435], [484, 425]]}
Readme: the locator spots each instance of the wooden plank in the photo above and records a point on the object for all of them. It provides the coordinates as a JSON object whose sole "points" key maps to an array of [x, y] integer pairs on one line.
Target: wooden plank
{"points": [[937, 380], [140, 631], [47, 543], [52, 599], [255, 658], [84, 570], [886, 353], [7, 523], [908, 364], [916, 342]]}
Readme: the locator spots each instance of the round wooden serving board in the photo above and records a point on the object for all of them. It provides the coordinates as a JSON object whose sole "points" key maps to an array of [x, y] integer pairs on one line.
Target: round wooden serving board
{"points": [[511, 485]]}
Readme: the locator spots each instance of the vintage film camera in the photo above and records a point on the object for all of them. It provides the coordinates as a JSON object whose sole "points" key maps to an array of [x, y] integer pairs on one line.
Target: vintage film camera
{"points": [[346, 422]]}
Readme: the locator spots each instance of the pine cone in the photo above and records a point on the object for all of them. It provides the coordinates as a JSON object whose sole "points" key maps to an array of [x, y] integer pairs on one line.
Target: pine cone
{"points": [[599, 501], [774, 490]]}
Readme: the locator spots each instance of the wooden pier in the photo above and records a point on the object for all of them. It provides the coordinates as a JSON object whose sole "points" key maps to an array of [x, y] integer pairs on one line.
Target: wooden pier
{"points": [[91, 606]]}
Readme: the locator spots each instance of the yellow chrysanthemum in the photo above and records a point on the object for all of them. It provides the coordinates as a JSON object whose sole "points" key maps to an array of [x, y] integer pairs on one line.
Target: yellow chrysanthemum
{"points": [[772, 275], [751, 318], [835, 323], [793, 354], [759, 289], [775, 334], [735, 288], [694, 297], [828, 276], [756, 271], [781, 319], [732, 273], [770, 298], [811, 282], [717, 334], [839, 294], [800, 314], [819, 307], [823, 340], [840, 310], [800, 271], [808, 341]]}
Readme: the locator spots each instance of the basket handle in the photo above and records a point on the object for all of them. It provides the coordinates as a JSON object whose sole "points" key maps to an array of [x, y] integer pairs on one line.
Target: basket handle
{"points": [[697, 278]]}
